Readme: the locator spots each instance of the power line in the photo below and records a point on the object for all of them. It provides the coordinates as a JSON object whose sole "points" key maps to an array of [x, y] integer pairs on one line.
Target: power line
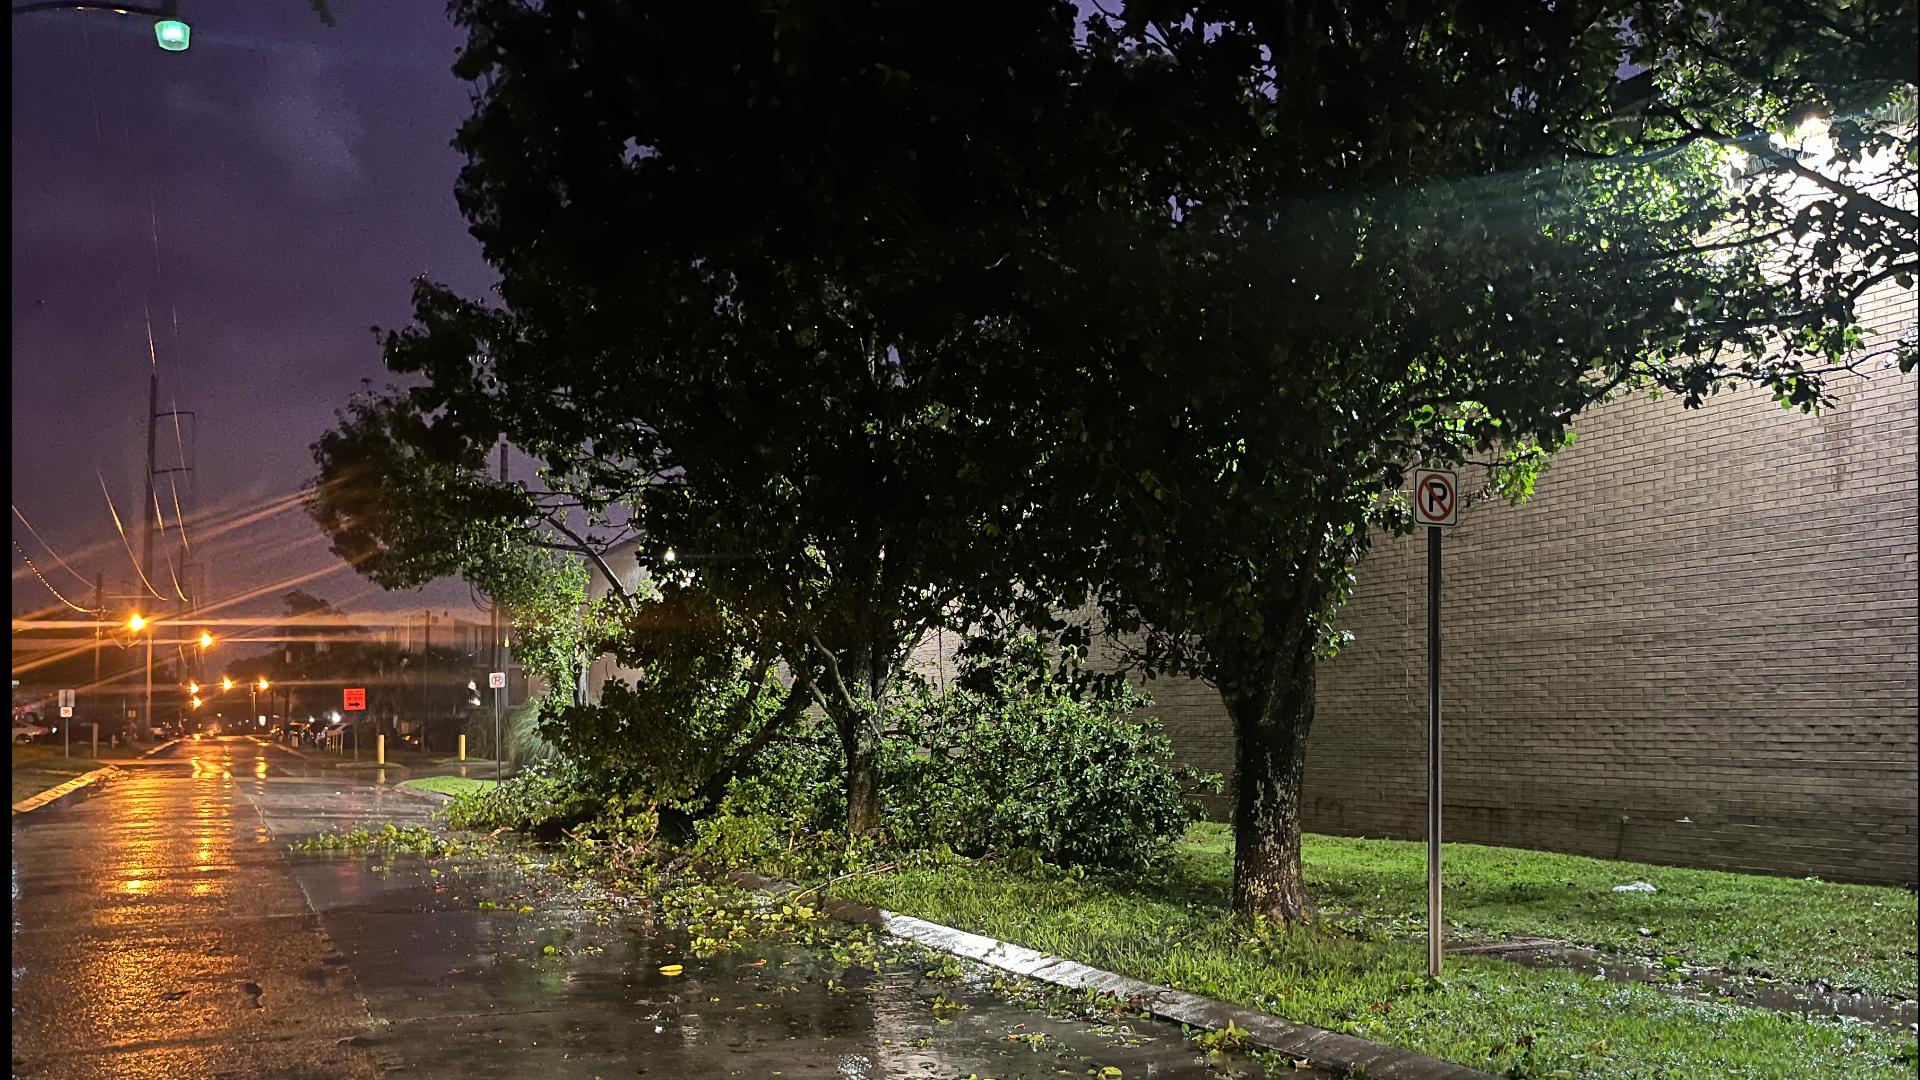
{"points": [[43, 580], [123, 538], [43, 543]]}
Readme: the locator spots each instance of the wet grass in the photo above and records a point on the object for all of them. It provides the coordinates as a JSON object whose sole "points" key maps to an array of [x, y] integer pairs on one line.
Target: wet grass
{"points": [[38, 767], [46, 757], [1799, 930], [448, 785], [1487, 1013]]}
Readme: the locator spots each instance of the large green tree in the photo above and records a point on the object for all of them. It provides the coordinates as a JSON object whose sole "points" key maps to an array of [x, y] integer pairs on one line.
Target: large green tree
{"points": [[1357, 238], [1815, 99], [757, 265], [873, 314]]}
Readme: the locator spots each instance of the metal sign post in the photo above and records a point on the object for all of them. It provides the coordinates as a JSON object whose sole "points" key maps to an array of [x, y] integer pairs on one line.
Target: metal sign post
{"points": [[353, 699], [1436, 504], [66, 729], [497, 680]]}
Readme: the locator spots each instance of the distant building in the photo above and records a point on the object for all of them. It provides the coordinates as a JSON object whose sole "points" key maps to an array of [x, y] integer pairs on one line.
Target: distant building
{"points": [[437, 706]]}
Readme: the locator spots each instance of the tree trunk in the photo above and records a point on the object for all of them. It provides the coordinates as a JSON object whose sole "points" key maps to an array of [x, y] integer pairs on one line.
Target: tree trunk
{"points": [[855, 712], [1272, 717], [862, 746]]}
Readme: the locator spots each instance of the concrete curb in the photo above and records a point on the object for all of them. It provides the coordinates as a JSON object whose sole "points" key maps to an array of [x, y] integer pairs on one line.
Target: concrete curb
{"points": [[1298, 1041], [431, 796], [157, 749], [35, 802]]}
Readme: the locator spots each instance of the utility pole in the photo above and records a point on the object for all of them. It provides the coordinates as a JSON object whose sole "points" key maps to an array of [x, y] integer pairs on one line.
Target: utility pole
{"points": [[499, 656], [152, 503], [426, 657], [99, 638], [147, 735]]}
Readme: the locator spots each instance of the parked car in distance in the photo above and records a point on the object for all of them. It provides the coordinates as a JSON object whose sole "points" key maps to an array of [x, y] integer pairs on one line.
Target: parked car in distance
{"points": [[26, 732]]}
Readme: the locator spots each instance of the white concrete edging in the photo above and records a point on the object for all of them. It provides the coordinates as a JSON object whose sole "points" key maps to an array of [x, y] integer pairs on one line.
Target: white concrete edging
{"points": [[35, 802], [1298, 1041]]}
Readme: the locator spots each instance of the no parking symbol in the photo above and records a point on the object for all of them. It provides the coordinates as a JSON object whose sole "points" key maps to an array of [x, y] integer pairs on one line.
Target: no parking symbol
{"points": [[1436, 498]]}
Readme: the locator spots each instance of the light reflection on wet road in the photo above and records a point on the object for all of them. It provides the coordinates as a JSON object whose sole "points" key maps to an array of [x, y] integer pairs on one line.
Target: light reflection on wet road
{"points": [[162, 929], [158, 932]]}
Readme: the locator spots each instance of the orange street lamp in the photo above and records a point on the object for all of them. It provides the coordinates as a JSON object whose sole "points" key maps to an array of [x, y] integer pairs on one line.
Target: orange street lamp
{"points": [[206, 640], [136, 624], [226, 682], [193, 688], [196, 702], [258, 689]]}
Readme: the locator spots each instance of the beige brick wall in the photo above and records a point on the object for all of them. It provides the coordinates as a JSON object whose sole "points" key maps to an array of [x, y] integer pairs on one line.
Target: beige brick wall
{"points": [[1696, 644]]}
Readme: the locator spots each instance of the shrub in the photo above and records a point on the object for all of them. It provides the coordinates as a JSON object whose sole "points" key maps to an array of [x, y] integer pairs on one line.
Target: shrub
{"points": [[786, 813], [1021, 757], [556, 796], [543, 798], [693, 700], [520, 727]]}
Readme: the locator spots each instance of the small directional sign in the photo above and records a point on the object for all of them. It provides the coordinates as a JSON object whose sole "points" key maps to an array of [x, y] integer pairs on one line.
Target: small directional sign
{"points": [[1436, 498], [66, 712], [496, 679], [66, 701], [355, 699]]}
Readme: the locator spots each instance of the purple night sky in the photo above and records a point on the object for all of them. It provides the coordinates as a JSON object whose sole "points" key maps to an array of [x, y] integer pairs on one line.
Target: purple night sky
{"points": [[300, 176]]}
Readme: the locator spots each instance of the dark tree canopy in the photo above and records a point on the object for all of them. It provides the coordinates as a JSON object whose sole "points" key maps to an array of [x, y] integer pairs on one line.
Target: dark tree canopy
{"points": [[874, 313]]}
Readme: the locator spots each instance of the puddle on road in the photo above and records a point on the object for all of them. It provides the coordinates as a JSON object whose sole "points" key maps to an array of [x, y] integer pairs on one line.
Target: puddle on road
{"points": [[575, 988]]}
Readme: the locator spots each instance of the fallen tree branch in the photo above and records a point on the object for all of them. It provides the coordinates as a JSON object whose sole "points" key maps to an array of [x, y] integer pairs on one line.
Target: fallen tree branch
{"points": [[868, 872]]}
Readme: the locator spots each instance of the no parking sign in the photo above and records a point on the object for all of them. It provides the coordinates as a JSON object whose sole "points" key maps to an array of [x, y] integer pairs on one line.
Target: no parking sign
{"points": [[1436, 504], [1436, 498]]}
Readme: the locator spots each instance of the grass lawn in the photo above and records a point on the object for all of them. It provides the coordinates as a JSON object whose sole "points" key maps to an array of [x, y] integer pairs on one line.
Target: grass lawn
{"points": [[1170, 927], [1802, 930], [40, 766], [447, 785]]}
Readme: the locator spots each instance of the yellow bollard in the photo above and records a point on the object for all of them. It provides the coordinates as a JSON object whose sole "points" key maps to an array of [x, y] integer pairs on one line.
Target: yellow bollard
{"points": [[463, 746], [379, 749]]}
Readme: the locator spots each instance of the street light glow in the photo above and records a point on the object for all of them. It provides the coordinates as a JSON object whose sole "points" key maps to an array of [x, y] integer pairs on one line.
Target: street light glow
{"points": [[263, 682], [136, 623], [193, 688], [206, 639], [226, 682], [172, 34], [196, 702]]}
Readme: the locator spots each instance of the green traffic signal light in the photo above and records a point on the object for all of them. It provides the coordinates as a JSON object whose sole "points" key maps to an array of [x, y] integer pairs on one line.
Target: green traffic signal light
{"points": [[172, 34]]}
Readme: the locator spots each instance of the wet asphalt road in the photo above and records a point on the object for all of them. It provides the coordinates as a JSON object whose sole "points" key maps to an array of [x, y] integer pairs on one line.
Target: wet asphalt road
{"points": [[162, 928]]}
